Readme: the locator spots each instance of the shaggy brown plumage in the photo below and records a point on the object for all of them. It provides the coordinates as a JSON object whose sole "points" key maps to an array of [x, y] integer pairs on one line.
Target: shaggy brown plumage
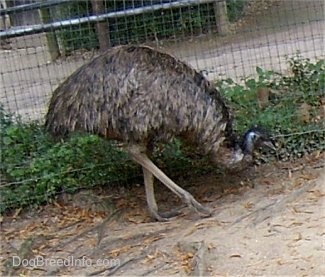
{"points": [[139, 95]]}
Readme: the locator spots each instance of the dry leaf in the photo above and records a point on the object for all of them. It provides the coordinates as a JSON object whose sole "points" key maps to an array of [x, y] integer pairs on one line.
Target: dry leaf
{"points": [[263, 95], [248, 205], [116, 252], [56, 204], [317, 193], [321, 112], [191, 231], [202, 225], [17, 212], [298, 237], [308, 177], [304, 113], [150, 258], [295, 224], [281, 262], [235, 256], [211, 246], [137, 219], [149, 241]]}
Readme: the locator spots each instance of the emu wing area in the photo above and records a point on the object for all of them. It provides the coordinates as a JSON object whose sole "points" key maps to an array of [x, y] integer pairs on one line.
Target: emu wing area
{"points": [[136, 94]]}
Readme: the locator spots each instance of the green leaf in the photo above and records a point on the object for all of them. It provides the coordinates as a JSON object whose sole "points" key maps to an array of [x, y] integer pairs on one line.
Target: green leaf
{"points": [[251, 84], [259, 71], [7, 140]]}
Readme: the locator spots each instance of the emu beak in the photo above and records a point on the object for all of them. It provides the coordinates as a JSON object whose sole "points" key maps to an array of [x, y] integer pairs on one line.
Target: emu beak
{"points": [[269, 144]]}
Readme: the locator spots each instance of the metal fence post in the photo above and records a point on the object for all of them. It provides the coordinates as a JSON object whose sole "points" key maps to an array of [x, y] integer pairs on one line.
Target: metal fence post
{"points": [[5, 19], [220, 9], [51, 38], [102, 28]]}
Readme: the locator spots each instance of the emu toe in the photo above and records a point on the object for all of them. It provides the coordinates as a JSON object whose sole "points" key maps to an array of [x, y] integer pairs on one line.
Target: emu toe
{"points": [[162, 217], [195, 205], [165, 216]]}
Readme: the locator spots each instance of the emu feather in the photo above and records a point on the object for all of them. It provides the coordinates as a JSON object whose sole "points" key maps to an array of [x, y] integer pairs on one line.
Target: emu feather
{"points": [[140, 96]]}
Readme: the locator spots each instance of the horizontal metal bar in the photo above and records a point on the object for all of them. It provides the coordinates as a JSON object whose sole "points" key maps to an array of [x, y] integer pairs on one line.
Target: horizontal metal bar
{"points": [[39, 28], [33, 6]]}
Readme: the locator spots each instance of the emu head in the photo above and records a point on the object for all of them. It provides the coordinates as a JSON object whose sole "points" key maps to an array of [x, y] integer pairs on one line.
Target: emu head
{"points": [[252, 139]]}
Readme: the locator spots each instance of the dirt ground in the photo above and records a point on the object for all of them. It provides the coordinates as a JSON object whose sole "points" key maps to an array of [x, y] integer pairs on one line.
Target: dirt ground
{"points": [[268, 221]]}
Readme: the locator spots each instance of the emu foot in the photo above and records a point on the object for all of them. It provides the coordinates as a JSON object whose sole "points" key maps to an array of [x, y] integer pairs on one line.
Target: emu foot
{"points": [[203, 211], [165, 216], [172, 213], [196, 206]]}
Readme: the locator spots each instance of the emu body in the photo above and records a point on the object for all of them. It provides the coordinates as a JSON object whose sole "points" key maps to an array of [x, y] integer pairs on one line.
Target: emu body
{"points": [[140, 96]]}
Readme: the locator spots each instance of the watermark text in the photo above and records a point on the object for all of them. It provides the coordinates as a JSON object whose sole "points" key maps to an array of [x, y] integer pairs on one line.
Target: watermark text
{"points": [[70, 261]]}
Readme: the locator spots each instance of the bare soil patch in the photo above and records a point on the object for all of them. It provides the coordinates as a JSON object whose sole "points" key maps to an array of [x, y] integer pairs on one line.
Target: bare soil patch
{"points": [[268, 220]]}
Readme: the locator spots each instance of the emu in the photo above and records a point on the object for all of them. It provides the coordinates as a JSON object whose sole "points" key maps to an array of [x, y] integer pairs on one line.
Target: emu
{"points": [[141, 96]]}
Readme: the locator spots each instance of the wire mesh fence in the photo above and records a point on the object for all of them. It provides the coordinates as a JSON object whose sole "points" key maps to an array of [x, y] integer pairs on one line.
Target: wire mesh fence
{"points": [[242, 46], [262, 36]]}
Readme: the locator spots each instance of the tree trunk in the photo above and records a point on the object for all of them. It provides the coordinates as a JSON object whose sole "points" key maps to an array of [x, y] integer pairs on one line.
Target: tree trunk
{"points": [[102, 28]]}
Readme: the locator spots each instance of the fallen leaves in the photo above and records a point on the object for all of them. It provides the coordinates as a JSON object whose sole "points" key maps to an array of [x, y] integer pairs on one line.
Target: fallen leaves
{"points": [[297, 237], [263, 95], [308, 176], [317, 193], [297, 210], [294, 224], [235, 256], [248, 205], [304, 113], [63, 230], [118, 251], [150, 258], [186, 262], [124, 249], [152, 239], [206, 224], [139, 217], [17, 212]]}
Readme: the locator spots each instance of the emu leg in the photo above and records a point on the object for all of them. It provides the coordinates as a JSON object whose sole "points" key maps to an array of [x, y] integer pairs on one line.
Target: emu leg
{"points": [[150, 193], [151, 200], [141, 158]]}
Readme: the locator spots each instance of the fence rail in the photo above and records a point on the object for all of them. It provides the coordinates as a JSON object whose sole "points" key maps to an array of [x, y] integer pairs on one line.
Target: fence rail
{"points": [[32, 6], [39, 28], [273, 33]]}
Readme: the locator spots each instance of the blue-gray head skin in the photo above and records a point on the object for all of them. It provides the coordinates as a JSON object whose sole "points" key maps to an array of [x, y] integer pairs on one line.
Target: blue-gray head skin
{"points": [[252, 139]]}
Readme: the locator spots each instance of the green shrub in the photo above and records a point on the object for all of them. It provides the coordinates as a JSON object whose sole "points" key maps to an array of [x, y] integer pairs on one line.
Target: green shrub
{"points": [[235, 9], [281, 116], [34, 168], [82, 36], [149, 26]]}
